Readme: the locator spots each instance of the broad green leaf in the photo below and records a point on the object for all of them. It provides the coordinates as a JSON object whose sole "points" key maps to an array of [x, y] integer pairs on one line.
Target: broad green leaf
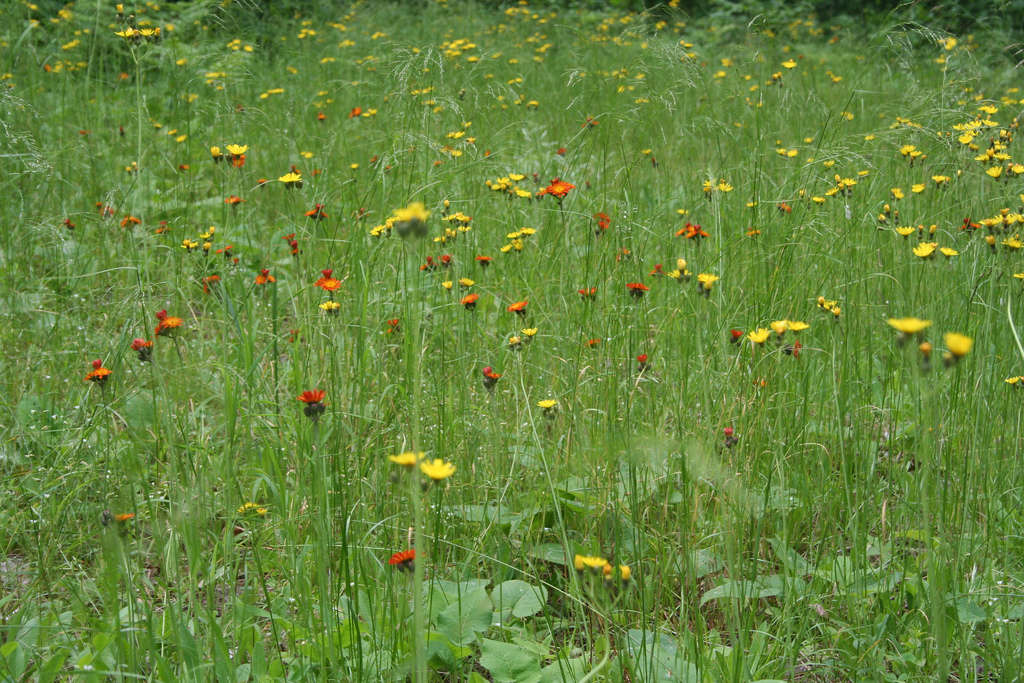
{"points": [[564, 671], [518, 599], [549, 552], [463, 619], [509, 663]]}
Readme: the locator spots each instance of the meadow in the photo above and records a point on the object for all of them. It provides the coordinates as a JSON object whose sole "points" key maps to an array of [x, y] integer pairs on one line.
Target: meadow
{"points": [[440, 342]]}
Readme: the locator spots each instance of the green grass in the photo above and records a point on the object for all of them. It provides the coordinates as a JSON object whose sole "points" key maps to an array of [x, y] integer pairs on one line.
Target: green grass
{"points": [[863, 523]]}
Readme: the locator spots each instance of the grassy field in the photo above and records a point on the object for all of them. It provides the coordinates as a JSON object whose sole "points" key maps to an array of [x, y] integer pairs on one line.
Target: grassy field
{"points": [[672, 349]]}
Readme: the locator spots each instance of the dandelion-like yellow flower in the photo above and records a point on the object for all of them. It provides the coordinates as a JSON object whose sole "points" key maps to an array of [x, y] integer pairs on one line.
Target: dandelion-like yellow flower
{"points": [[582, 562], [437, 469], [547, 404], [760, 335], [909, 325], [958, 344], [407, 459]]}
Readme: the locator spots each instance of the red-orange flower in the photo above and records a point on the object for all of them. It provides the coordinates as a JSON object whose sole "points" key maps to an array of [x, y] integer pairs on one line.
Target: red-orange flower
{"points": [[124, 517], [393, 326], [403, 561], [99, 373], [314, 400], [484, 261], [558, 189], [128, 221], [167, 324], [265, 277], [317, 213], [327, 282], [637, 289], [519, 307], [469, 301], [490, 377], [691, 231], [320, 116], [603, 222], [356, 112], [143, 347], [209, 280], [234, 200], [587, 293]]}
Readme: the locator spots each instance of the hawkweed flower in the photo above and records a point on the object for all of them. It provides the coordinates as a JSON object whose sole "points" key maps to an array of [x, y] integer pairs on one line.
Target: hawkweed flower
{"points": [[68, 224], [403, 561], [730, 437], [641, 361], [926, 355], [692, 231], [584, 562], [557, 189], [410, 220], [549, 406], [330, 307], [291, 180], [735, 336], [908, 327], [327, 281], [317, 213], [705, 281], [603, 222], [515, 342], [167, 325], [1015, 382], [587, 293], [484, 261], [490, 377], [393, 326], [216, 154], [233, 200], [437, 469], [251, 508], [98, 374], [208, 281], [519, 308], [637, 289], [759, 336], [236, 153], [408, 459], [130, 221], [314, 400], [143, 347], [625, 573], [265, 277], [469, 301], [957, 345], [793, 349]]}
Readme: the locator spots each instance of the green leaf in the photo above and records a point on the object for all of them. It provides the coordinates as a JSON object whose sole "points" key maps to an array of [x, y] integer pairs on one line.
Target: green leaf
{"points": [[509, 663], [518, 599], [969, 612], [764, 587], [564, 671], [656, 658], [463, 619], [549, 552]]}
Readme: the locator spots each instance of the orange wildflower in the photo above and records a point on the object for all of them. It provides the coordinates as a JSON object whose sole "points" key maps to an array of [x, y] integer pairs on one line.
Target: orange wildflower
{"points": [[327, 282], [99, 373]]}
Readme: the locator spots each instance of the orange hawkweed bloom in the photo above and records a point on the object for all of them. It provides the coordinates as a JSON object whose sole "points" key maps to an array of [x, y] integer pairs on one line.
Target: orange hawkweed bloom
{"points": [[587, 293], [484, 261], [403, 561], [209, 280], [692, 231], [637, 289], [469, 301], [265, 277], [167, 324], [317, 213], [129, 221], [124, 517], [558, 189], [519, 308], [355, 113], [490, 377], [99, 373], [327, 282], [234, 200], [314, 400], [603, 222], [143, 347]]}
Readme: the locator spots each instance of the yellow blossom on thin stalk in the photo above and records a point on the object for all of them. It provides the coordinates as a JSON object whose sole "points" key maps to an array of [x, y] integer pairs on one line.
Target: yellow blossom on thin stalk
{"points": [[437, 469], [407, 459]]}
